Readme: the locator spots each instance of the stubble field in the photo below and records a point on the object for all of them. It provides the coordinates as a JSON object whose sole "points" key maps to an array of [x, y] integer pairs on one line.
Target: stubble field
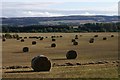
{"points": [[94, 60]]}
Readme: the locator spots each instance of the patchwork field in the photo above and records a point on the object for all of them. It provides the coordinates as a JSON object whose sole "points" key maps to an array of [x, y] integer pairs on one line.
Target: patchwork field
{"points": [[94, 60]]}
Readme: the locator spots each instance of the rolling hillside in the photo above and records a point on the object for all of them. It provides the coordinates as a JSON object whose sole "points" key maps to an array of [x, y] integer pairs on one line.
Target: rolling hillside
{"points": [[74, 20]]}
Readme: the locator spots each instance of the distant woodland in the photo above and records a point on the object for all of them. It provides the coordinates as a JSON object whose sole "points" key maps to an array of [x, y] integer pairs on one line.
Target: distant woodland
{"points": [[88, 27]]}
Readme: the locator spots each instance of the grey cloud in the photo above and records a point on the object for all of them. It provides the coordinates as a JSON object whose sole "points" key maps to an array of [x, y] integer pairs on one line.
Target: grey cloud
{"points": [[14, 9], [50, 13]]}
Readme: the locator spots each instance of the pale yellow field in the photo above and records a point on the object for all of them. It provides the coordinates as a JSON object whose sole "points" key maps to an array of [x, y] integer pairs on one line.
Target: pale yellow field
{"points": [[100, 50]]}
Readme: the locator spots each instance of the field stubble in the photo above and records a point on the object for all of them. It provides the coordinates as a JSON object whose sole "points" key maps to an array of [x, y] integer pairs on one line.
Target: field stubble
{"points": [[100, 50]]}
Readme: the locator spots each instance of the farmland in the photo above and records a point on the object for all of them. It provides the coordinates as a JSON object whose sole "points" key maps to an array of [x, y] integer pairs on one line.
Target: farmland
{"points": [[94, 60]]}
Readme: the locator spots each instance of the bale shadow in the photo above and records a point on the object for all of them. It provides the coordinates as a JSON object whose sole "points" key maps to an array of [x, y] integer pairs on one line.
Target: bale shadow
{"points": [[60, 59], [20, 52], [20, 71], [48, 47], [29, 71], [17, 52]]}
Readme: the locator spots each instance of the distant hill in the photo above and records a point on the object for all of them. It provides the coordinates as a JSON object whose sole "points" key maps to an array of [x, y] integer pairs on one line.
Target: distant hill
{"points": [[72, 20]]}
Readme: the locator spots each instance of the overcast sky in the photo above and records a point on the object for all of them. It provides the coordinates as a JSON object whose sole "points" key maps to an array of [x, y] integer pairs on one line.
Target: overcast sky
{"points": [[50, 8]]}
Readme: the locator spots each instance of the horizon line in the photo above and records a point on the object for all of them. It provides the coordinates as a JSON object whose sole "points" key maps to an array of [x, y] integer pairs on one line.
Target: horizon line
{"points": [[54, 16]]}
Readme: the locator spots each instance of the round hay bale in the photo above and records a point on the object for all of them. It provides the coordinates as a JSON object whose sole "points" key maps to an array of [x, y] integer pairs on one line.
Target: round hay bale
{"points": [[95, 35], [29, 37], [8, 36], [53, 45], [104, 38], [25, 49], [18, 38], [57, 36], [100, 62], [73, 40], [80, 35], [52, 36], [112, 35], [33, 42], [3, 39], [53, 39], [37, 37], [71, 54], [22, 40], [106, 61], [12, 67], [15, 36], [91, 40], [78, 64], [41, 38], [25, 37], [117, 61], [75, 43], [40, 63], [33, 37], [76, 36], [61, 36]]}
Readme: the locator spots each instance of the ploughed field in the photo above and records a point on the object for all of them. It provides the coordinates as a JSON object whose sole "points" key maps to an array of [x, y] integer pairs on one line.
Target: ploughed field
{"points": [[94, 60]]}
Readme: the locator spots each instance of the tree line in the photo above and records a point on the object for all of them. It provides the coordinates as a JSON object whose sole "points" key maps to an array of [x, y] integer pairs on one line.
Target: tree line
{"points": [[88, 27]]}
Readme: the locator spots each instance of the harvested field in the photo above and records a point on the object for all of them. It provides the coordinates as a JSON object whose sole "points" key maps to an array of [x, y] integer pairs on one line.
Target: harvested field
{"points": [[96, 60]]}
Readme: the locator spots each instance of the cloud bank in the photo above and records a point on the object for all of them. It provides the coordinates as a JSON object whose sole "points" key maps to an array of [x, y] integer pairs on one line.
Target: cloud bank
{"points": [[53, 9], [41, 14]]}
